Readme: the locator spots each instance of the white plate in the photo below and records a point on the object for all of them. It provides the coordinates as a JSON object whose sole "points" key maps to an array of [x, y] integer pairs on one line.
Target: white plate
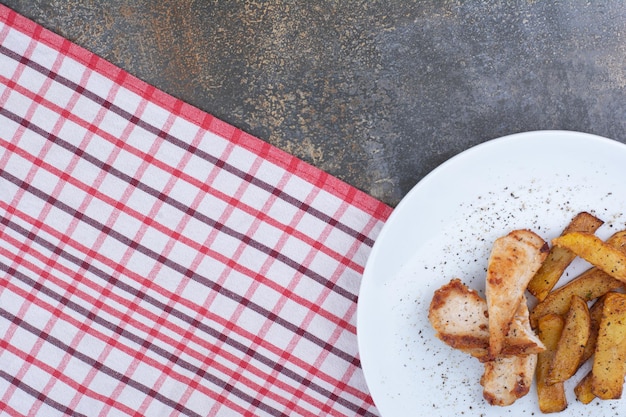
{"points": [[444, 228]]}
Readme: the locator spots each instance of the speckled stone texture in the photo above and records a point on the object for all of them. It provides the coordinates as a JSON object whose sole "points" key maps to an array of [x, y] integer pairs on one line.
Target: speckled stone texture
{"points": [[377, 93]]}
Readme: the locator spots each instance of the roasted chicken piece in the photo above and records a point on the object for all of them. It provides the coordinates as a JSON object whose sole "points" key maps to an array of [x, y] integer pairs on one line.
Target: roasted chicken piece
{"points": [[497, 330], [459, 316], [521, 339], [508, 378], [514, 260]]}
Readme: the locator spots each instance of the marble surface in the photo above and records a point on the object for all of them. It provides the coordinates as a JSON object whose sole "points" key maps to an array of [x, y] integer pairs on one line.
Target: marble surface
{"points": [[377, 93]]}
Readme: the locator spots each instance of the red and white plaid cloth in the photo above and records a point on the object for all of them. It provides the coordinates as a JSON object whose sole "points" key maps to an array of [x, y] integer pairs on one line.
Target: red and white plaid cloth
{"points": [[157, 261]]}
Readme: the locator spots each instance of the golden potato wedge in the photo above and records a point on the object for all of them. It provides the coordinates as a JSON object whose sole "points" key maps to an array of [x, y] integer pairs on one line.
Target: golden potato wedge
{"points": [[609, 362], [571, 346], [590, 285], [551, 397], [583, 390], [559, 258], [597, 252], [595, 314]]}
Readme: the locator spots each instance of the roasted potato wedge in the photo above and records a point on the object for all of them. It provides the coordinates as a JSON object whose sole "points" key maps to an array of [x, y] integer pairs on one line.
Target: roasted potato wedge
{"points": [[597, 252], [551, 397], [559, 258], [583, 390], [571, 346], [609, 363], [595, 314], [590, 285]]}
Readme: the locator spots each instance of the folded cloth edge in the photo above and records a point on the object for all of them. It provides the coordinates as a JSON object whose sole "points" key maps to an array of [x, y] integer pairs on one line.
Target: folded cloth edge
{"points": [[203, 119]]}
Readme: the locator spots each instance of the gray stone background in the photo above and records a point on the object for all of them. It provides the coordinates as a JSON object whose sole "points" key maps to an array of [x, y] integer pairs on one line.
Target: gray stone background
{"points": [[377, 93]]}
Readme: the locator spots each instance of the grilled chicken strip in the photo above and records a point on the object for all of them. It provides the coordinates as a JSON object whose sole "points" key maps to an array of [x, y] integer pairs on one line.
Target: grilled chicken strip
{"points": [[459, 316], [508, 378], [521, 339], [513, 261]]}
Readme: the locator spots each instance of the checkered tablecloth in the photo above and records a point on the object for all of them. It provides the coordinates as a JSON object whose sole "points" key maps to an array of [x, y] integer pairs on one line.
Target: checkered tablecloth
{"points": [[156, 261]]}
